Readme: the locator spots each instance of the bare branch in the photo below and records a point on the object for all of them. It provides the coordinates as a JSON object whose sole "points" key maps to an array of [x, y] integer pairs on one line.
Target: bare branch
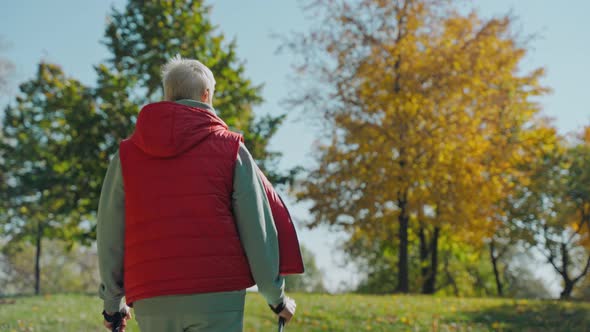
{"points": [[584, 271]]}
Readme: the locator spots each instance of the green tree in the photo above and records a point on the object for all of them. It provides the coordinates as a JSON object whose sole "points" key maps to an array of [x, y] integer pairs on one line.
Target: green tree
{"points": [[58, 135], [46, 149], [578, 180], [508, 238], [65, 268], [146, 34], [551, 210], [463, 270]]}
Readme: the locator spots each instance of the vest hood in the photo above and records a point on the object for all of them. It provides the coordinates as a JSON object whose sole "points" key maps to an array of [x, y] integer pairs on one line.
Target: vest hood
{"points": [[166, 129]]}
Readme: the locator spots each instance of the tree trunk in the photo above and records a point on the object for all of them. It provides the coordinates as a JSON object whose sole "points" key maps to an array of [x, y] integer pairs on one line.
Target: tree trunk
{"points": [[402, 264], [494, 259], [430, 282], [38, 259], [423, 253], [568, 284], [449, 275], [568, 287]]}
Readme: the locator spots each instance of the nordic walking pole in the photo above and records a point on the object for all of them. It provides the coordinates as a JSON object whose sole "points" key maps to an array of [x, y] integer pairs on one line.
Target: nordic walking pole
{"points": [[281, 324]]}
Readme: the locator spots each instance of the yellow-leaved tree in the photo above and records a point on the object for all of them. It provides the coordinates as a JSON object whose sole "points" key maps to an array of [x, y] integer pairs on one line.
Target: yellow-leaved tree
{"points": [[428, 116]]}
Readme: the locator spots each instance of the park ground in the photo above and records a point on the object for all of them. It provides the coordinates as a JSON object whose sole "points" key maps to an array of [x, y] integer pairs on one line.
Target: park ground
{"points": [[322, 312]]}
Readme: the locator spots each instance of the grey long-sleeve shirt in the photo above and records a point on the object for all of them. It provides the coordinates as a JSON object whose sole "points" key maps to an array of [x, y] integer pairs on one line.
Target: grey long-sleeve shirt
{"points": [[253, 218]]}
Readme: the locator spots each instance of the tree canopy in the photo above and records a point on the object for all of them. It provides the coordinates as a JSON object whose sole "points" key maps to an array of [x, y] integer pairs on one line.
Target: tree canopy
{"points": [[429, 119], [58, 135]]}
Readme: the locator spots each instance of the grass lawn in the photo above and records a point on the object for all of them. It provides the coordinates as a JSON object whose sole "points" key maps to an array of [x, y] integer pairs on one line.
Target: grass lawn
{"points": [[327, 313]]}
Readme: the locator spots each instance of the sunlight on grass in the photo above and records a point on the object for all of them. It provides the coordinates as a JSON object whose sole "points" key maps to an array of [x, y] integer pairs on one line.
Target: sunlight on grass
{"points": [[327, 313]]}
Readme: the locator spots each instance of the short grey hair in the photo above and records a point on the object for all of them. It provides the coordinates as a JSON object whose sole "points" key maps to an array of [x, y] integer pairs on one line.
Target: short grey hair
{"points": [[186, 79]]}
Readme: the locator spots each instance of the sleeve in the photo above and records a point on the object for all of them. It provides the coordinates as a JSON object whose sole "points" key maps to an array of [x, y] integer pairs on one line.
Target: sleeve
{"points": [[110, 233], [256, 227]]}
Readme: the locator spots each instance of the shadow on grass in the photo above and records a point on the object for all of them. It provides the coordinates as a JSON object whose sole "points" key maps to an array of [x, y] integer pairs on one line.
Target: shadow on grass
{"points": [[537, 316]]}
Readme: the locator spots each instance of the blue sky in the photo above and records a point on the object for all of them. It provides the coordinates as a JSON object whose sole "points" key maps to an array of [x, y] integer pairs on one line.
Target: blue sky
{"points": [[67, 32]]}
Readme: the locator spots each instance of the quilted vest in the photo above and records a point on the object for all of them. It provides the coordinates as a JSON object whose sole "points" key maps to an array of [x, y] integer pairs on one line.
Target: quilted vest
{"points": [[180, 234], [290, 260]]}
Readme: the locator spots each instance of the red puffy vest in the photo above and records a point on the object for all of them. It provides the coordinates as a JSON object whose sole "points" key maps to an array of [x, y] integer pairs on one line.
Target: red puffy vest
{"points": [[180, 234], [290, 260]]}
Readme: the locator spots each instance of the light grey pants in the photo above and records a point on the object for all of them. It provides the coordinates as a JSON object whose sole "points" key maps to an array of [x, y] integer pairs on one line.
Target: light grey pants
{"points": [[198, 322], [211, 312]]}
